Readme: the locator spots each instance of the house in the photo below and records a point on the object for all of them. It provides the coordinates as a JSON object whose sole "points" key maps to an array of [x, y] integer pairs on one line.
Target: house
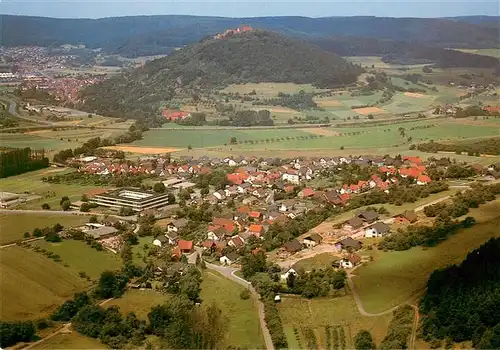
{"points": [[160, 241], [292, 246], [177, 225], [312, 240], [408, 217], [217, 234], [368, 216], [348, 244], [350, 261], [306, 193], [354, 223], [220, 195], [423, 180], [185, 247], [172, 237], [256, 230], [291, 175], [209, 245], [236, 242], [229, 259], [378, 229], [287, 272]]}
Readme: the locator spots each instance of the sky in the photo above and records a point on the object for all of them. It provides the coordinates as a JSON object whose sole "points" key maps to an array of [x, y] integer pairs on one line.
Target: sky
{"points": [[247, 8]]}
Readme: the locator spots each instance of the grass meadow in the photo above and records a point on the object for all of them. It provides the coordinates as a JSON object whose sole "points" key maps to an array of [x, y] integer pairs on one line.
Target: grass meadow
{"points": [[14, 225], [33, 285], [244, 327], [139, 301], [395, 277], [81, 257], [270, 89], [72, 340]]}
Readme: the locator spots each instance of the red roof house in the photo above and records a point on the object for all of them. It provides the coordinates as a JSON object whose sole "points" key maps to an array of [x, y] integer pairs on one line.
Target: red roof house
{"points": [[256, 230], [185, 246], [174, 114]]}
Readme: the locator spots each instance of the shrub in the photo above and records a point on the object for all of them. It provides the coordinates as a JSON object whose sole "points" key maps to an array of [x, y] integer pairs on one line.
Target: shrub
{"points": [[245, 294]]}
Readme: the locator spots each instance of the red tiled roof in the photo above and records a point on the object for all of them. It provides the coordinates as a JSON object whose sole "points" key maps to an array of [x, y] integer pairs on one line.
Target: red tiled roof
{"points": [[289, 188], [307, 192], [411, 172], [254, 214], [185, 245], [208, 243], [424, 178], [243, 209], [414, 160]]}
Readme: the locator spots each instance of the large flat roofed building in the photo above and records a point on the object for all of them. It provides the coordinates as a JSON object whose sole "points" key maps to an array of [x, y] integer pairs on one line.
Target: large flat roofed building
{"points": [[134, 198]]}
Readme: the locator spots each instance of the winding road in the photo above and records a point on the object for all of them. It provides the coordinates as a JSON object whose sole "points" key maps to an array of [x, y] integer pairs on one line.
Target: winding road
{"points": [[229, 272]]}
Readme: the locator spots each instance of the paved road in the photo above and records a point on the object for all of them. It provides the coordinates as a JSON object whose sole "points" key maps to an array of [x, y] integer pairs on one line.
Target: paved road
{"points": [[229, 272]]}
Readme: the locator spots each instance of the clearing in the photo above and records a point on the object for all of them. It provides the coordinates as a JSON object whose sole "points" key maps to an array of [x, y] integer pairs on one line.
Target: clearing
{"points": [[14, 225], [414, 94], [320, 131], [395, 277], [369, 110], [318, 313], [72, 340], [244, 326], [142, 150], [139, 301], [82, 257], [33, 285]]}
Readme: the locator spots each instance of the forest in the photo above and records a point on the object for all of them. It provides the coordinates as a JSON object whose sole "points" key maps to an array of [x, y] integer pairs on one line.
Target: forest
{"points": [[21, 160], [462, 302], [256, 56]]}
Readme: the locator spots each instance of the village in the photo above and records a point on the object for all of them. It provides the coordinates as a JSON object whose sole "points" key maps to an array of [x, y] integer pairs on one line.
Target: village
{"points": [[220, 209]]}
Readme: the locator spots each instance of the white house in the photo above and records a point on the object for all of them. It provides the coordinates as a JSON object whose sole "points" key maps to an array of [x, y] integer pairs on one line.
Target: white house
{"points": [[350, 261], [229, 259], [378, 229], [312, 240], [293, 178], [288, 272]]}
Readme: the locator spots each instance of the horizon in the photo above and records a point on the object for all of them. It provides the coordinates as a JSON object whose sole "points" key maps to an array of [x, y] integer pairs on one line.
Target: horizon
{"points": [[76, 9]]}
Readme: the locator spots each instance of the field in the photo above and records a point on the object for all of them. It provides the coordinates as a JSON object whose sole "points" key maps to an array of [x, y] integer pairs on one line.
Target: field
{"points": [[35, 141], [396, 277], [72, 340], [244, 327], [270, 89], [484, 52], [81, 257], [139, 301], [317, 313], [50, 193], [32, 285], [14, 225], [319, 261]]}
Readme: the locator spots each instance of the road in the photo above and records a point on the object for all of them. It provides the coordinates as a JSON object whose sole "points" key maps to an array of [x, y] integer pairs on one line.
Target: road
{"points": [[229, 272]]}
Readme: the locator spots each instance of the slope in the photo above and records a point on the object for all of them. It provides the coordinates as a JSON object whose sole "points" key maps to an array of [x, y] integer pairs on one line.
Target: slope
{"points": [[257, 56]]}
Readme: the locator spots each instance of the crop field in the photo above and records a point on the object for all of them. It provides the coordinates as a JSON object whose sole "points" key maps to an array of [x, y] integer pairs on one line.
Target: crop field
{"points": [[484, 52], [81, 257], [316, 314], [139, 301], [72, 340], [403, 103], [270, 89], [50, 193], [207, 138], [74, 134], [32, 285], [34, 141], [244, 327], [14, 225], [396, 277]]}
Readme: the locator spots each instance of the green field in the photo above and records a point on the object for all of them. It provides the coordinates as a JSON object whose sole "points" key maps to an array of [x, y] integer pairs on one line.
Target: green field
{"points": [[32, 285], [51, 193], [270, 89], [81, 257], [72, 340], [14, 225], [34, 141], [139, 301], [484, 52], [244, 327], [209, 138], [319, 261], [317, 313], [396, 277]]}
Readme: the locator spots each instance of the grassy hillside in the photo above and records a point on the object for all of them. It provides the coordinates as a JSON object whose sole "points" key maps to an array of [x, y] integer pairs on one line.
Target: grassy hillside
{"points": [[33, 285], [256, 56]]}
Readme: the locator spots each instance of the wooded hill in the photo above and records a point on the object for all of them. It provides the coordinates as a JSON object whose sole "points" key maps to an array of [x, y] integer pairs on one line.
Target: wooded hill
{"points": [[462, 302], [257, 56], [143, 35], [400, 52]]}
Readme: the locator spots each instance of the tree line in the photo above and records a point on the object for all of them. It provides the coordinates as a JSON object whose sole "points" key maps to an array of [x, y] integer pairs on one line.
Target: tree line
{"points": [[15, 161], [489, 146]]}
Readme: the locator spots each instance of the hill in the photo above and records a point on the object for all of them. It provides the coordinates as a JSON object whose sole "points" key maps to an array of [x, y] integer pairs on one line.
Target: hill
{"points": [[400, 52], [143, 35], [251, 57], [462, 302]]}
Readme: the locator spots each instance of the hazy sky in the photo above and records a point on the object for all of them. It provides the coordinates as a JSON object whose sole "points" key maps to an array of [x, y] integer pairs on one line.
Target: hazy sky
{"points": [[246, 8]]}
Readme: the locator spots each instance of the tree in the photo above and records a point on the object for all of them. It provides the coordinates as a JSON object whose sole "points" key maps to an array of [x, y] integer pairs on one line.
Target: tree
{"points": [[126, 211], [85, 198], [14, 332], [26, 235], [63, 199], [66, 205], [233, 141], [204, 191], [93, 219], [159, 187], [245, 294], [45, 206], [190, 147], [364, 341], [37, 232], [111, 284], [171, 198], [85, 207]]}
